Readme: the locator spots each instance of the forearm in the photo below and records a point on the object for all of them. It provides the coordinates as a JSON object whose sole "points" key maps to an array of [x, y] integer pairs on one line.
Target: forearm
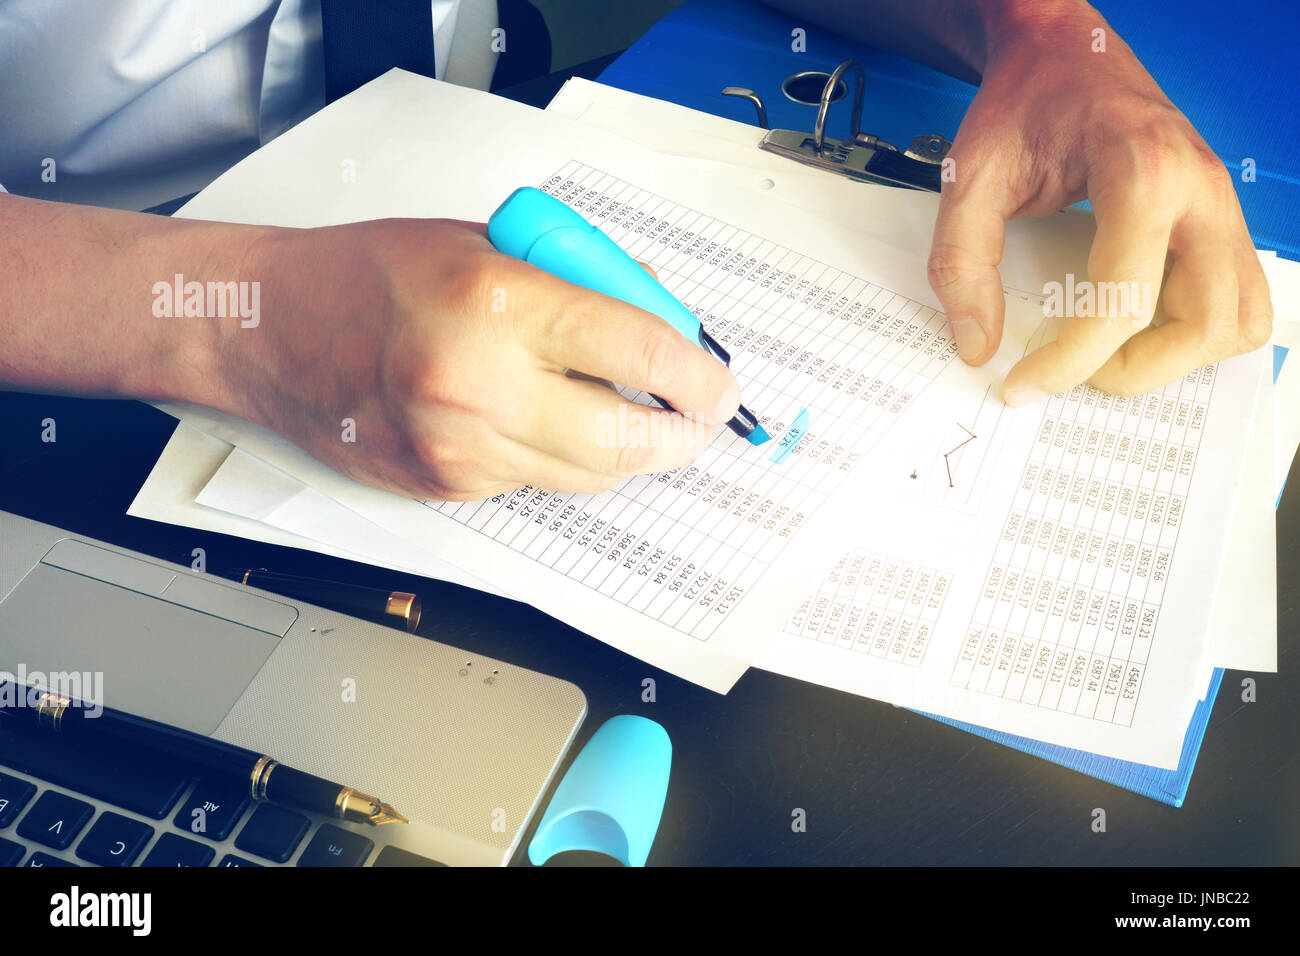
{"points": [[81, 297], [957, 37]]}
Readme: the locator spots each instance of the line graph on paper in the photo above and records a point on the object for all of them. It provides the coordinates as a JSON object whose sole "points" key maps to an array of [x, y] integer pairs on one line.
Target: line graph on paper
{"points": [[964, 452]]}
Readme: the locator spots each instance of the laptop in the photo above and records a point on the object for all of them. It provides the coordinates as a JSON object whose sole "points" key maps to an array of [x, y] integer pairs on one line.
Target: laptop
{"points": [[463, 745]]}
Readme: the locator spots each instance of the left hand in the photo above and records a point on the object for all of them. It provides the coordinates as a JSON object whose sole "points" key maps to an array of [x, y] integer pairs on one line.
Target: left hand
{"points": [[1053, 123]]}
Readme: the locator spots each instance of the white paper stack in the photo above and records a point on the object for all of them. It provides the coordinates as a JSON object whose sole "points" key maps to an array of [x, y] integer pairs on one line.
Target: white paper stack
{"points": [[1057, 572]]}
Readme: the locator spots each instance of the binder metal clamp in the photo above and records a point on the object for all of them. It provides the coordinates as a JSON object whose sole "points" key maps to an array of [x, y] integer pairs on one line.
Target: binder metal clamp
{"points": [[860, 156]]}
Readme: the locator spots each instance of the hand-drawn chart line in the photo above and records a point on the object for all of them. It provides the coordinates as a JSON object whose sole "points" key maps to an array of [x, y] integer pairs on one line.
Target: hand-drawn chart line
{"points": [[972, 437]]}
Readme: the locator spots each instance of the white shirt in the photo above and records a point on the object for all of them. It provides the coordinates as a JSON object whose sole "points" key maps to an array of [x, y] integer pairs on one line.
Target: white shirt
{"points": [[131, 103]]}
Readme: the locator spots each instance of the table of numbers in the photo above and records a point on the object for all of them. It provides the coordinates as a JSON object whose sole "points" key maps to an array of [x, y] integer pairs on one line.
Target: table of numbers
{"points": [[1072, 596], [875, 604], [685, 547]]}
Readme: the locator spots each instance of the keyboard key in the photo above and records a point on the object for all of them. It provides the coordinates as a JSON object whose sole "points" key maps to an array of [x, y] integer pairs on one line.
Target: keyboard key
{"points": [[55, 819], [173, 850], [273, 833], [392, 856], [11, 852], [14, 794], [114, 840], [231, 860], [213, 809], [107, 770], [44, 859], [334, 846]]}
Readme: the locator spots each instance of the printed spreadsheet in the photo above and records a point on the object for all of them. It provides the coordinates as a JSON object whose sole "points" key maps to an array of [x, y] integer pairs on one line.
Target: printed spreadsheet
{"points": [[685, 546]]}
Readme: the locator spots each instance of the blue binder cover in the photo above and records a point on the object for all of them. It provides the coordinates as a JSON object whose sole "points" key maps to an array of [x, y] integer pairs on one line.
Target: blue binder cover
{"points": [[704, 45], [750, 45]]}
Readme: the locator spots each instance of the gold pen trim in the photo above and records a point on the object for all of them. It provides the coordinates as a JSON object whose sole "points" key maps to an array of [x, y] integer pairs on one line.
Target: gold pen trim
{"points": [[406, 606], [49, 710], [260, 777]]}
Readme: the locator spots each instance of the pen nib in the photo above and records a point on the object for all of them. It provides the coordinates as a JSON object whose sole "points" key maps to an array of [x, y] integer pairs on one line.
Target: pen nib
{"points": [[363, 808], [385, 813], [759, 435]]}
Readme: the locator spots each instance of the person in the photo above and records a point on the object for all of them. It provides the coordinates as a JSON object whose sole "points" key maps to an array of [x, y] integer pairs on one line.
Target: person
{"points": [[391, 323]]}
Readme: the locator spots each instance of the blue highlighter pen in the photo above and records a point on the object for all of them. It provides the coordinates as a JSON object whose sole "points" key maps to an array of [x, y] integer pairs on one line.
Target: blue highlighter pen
{"points": [[541, 230]]}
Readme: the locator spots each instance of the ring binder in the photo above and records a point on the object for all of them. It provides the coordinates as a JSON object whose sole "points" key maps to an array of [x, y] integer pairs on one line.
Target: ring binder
{"points": [[861, 156]]}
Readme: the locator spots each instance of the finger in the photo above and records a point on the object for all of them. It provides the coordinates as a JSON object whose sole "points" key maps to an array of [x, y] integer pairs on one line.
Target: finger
{"points": [[604, 337], [1200, 302], [964, 256], [1125, 269], [1255, 305], [648, 268], [596, 430]]}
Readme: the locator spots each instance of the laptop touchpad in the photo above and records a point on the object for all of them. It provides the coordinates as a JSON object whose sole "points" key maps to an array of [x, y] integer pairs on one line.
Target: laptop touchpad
{"points": [[136, 653]]}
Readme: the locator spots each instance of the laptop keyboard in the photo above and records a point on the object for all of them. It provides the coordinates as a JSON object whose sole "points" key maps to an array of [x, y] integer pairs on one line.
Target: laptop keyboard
{"points": [[68, 803]]}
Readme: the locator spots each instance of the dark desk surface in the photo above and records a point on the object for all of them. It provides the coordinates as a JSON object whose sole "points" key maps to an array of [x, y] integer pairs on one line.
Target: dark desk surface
{"points": [[879, 785]]}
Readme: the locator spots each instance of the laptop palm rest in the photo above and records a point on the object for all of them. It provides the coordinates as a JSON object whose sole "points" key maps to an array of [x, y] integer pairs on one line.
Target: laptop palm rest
{"points": [[147, 656]]}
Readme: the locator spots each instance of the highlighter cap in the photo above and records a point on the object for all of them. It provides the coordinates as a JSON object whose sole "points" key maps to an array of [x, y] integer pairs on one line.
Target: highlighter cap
{"points": [[612, 796]]}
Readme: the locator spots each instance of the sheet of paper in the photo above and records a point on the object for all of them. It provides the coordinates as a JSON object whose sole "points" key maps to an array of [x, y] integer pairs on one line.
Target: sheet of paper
{"points": [[1243, 630], [1284, 287], [1071, 598], [190, 458], [1242, 636], [246, 487], [685, 570], [1286, 402]]}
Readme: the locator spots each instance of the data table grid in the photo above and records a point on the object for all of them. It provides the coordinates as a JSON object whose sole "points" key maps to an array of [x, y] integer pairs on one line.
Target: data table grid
{"points": [[877, 605], [1072, 597], [684, 547]]}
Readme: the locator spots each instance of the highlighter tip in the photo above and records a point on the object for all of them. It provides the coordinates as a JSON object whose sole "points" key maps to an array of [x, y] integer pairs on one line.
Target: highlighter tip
{"points": [[759, 436]]}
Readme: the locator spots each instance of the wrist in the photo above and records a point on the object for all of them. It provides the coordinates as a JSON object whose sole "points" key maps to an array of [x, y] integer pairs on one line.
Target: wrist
{"points": [[207, 301], [1010, 27]]}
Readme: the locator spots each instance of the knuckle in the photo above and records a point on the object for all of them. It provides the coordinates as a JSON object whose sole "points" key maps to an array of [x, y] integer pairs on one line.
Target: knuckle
{"points": [[1256, 330], [1156, 142], [446, 468], [468, 287], [446, 384], [948, 266], [1220, 335], [1206, 160], [629, 458], [662, 357]]}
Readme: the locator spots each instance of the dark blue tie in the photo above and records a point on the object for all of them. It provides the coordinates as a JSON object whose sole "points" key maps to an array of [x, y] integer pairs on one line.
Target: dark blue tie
{"points": [[364, 39]]}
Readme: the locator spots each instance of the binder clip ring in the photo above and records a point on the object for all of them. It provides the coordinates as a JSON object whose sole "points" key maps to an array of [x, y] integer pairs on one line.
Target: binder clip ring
{"points": [[860, 156]]}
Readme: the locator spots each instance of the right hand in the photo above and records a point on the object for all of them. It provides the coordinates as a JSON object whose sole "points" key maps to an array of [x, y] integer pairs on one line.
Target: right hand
{"points": [[451, 359]]}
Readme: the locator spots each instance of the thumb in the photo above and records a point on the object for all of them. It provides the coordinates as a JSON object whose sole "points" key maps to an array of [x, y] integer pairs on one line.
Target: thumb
{"points": [[964, 257]]}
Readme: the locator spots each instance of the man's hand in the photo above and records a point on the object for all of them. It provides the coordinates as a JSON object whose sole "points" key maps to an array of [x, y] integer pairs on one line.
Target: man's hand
{"points": [[1066, 112], [451, 359], [406, 353], [1057, 120]]}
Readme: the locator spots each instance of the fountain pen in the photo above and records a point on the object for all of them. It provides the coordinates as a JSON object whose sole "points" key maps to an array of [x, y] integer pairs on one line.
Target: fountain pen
{"points": [[266, 779]]}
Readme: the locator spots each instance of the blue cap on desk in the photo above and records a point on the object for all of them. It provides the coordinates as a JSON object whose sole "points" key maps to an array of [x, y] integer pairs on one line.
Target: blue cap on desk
{"points": [[612, 797]]}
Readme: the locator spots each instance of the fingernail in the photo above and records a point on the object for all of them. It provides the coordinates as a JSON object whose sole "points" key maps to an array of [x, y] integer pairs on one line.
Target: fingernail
{"points": [[970, 338], [1019, 395], [727, 407]]}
